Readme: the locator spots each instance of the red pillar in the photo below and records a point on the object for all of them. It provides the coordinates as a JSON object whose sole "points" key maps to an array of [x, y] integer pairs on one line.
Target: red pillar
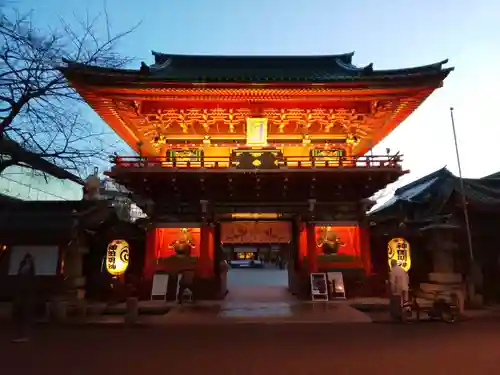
{"points": [[302, 242], [150, 254], [205, 260], [365, 249], [312, 255]]}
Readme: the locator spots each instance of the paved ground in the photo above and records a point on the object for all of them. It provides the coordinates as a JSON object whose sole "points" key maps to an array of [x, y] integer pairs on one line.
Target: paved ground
{"points": [[258, 349], [248, 277], [258, 296], [262, 295], [258, 285]]}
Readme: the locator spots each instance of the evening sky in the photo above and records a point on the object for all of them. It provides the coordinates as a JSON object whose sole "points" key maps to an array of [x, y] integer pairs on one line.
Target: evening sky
{"points": [[389, 33]]}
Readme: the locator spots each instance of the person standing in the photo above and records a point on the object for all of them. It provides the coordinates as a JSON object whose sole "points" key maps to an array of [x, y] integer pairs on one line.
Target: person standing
{"points": [[399, 287], [186, 279], [24, 303]]}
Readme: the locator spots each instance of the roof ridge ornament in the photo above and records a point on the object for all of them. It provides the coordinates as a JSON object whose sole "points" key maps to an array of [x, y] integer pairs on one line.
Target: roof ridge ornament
{"points": [[348, 66]]}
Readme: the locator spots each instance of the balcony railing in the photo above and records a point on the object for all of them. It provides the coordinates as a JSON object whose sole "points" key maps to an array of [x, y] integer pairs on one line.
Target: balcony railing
{"points": [[290, 162]]}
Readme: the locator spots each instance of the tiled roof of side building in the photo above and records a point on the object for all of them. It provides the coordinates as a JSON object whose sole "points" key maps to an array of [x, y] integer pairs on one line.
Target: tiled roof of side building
{"points": [[485, 191], [216, 68]]}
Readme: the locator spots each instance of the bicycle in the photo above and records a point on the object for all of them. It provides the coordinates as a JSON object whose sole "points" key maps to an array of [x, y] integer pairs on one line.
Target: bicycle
{"points": [[440, 308]]}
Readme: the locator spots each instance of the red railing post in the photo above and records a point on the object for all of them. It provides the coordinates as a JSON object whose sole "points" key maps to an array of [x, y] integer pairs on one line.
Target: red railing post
{"points": [[365, 161]]}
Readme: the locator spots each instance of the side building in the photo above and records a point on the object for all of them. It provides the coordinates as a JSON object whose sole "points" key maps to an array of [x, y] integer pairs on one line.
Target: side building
{"points": [[429, 214], [42, 213]]}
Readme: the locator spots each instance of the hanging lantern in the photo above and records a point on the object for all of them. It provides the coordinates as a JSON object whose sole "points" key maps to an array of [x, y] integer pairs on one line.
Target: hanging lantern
{"points": [[399, 249], [117, 257]]}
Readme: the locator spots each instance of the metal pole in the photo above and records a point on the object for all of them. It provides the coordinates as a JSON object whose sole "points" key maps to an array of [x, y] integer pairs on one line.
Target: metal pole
{"points": [[462, 188]]}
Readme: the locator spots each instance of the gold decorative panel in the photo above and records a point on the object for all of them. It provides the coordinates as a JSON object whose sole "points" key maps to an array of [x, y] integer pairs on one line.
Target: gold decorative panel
{"points": [[213, 122]]}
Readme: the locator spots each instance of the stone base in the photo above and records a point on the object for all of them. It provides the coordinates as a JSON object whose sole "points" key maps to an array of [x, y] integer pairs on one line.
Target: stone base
{"points": [[449, 285], [445, 278], [441, 288], [477, 301]]}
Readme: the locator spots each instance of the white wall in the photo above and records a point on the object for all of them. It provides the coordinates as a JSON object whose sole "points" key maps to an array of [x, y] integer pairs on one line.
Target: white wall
{"points": [[23, 183], [46, 259]]}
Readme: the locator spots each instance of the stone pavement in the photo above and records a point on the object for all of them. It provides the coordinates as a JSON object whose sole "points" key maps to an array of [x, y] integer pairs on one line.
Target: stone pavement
{"points": [[256, 349], [377, 309], [255, 296], [266, 312]]}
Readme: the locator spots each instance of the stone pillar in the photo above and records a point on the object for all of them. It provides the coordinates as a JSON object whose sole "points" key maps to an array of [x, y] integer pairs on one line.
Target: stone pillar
{"points": [[442, 247], [58, 310], [132, 311], [73, 269], [443, 278]]}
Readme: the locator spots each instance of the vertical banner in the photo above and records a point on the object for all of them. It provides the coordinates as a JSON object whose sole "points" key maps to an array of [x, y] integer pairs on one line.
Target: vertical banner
{"points": [[257, 131]]}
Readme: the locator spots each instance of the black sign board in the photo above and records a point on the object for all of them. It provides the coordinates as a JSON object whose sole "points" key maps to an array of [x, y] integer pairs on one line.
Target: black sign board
{"points": [[256, 158]]}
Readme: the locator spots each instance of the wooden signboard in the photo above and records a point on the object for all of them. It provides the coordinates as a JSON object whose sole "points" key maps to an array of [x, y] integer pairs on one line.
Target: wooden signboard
{"points": [[255, 232], [160, 284], [184, 155], [336, 285], [319, 287], [330, 156]]}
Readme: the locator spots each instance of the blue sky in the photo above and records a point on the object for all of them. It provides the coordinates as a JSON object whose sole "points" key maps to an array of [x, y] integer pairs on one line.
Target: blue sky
{"points": [[389, 33]]}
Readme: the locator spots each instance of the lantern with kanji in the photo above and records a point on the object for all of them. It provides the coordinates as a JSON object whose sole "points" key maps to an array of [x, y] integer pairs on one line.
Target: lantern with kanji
{"points": [[399, 250], [117, 257]]}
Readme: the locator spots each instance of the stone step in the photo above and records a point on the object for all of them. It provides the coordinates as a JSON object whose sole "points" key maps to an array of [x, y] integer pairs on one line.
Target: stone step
{"points": [[431, 288], [451, 295], [445, 278]]}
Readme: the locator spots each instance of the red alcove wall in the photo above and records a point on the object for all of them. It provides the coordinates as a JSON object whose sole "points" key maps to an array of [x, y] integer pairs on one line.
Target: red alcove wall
{"points": [[349, 236], [167, 236]]}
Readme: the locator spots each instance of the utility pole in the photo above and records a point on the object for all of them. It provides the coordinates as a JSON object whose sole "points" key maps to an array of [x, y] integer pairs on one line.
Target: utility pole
{"points": [[462, 189]]}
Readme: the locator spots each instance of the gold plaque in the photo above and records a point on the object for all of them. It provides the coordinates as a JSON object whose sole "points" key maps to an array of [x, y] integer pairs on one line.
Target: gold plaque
{"points": [[257, 131]]}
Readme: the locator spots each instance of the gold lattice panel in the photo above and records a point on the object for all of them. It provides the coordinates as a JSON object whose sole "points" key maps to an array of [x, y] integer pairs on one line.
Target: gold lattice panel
{"points": [[212, 122]]}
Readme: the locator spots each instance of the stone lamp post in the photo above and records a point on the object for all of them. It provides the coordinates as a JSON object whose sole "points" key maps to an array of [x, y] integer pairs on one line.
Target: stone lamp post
{"points": [[441, 242]]}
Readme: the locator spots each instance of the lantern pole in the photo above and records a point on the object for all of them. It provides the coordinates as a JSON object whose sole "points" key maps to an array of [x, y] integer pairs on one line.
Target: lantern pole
{"points": [[462, 188]]}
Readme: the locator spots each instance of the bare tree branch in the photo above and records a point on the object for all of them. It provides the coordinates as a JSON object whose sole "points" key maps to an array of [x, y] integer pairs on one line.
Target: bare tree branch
{"points": [[38, 108]]}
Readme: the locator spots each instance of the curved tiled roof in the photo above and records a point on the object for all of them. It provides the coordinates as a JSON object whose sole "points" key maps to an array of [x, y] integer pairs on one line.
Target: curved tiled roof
{"points": [[217, 68], [319, 68], [437, 187]]}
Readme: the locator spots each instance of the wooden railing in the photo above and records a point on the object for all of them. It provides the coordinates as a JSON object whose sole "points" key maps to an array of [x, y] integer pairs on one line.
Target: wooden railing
{"points": [[290, 162]]}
